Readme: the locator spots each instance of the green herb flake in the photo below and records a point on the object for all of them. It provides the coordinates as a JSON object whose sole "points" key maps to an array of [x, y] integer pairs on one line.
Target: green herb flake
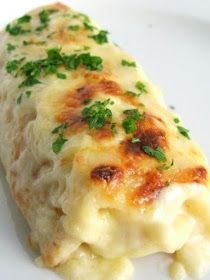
{"points": [[58, 143], [44, 17], [141, 87], [86, 48], [73, 27], [27, 43], [34, 70], [184, 131], [24, 19], [130, 122], [13, 65], [19, 99], [131, 93], [51, 34], [16, 30], [176, 120], [101, 37], [87, 101], [113, 129], [10, 47], [97, 115], [88, 25], [59, 129], [61, 76], [128, 63], [135, 140], [157, 153], [28, 93]]}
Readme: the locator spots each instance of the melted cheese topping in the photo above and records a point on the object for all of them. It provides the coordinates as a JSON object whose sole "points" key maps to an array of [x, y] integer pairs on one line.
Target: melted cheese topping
{"points": [[102, 199]]}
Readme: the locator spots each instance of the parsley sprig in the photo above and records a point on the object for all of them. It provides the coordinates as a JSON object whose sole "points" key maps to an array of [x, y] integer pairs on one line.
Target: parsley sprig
{"points": [[130, 122], [101, 37], [157, 153], [98, 114], [13, 65], [60, 140], [17, 28], [182, 130], [44, 17], [10, 47], [141, 87], [128, 63], [34, 70], [73, 27]]}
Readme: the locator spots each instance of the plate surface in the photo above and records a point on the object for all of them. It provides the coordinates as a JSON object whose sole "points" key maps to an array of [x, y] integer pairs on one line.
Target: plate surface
{"points": [[171, 40]]}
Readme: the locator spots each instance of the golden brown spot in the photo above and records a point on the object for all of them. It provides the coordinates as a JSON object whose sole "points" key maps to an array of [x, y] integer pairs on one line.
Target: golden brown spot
{"points": [[72, 104], [109, 87], [149, 134], [106, 173], [191, 175], [102, 133], [154, 183]]}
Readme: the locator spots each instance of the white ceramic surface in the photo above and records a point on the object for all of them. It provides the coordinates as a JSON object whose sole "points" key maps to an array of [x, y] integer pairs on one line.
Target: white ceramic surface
{"points": [[172, 41]]}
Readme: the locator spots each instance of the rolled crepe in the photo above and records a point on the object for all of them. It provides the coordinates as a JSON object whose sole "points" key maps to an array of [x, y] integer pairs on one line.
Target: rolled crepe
{"points": [[100, 168]]}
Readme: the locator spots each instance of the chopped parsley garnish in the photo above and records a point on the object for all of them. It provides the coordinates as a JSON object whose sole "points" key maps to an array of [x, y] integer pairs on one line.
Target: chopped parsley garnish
{"points": [[131, 93], [24, 19], [51, 34], [141, 87], [34, 70], [10, 47], [59, 129], [13, 65], [88, 25], [73, 27], [58, 143], [92, 63], [44, 17], [60, 140], [61, 76], [176, 120], [28, 93], [128, 63], [97, 114], [182, 130], [157, 153], [87, 101], [113, 129], [135, 140], [19, 99], [101, 37], [26, 43], [130, 122], [86, 48], [16, 30]]}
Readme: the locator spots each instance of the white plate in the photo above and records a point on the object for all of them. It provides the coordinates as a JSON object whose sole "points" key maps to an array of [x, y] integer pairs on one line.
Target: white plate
{"points": [[172, 41]]}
